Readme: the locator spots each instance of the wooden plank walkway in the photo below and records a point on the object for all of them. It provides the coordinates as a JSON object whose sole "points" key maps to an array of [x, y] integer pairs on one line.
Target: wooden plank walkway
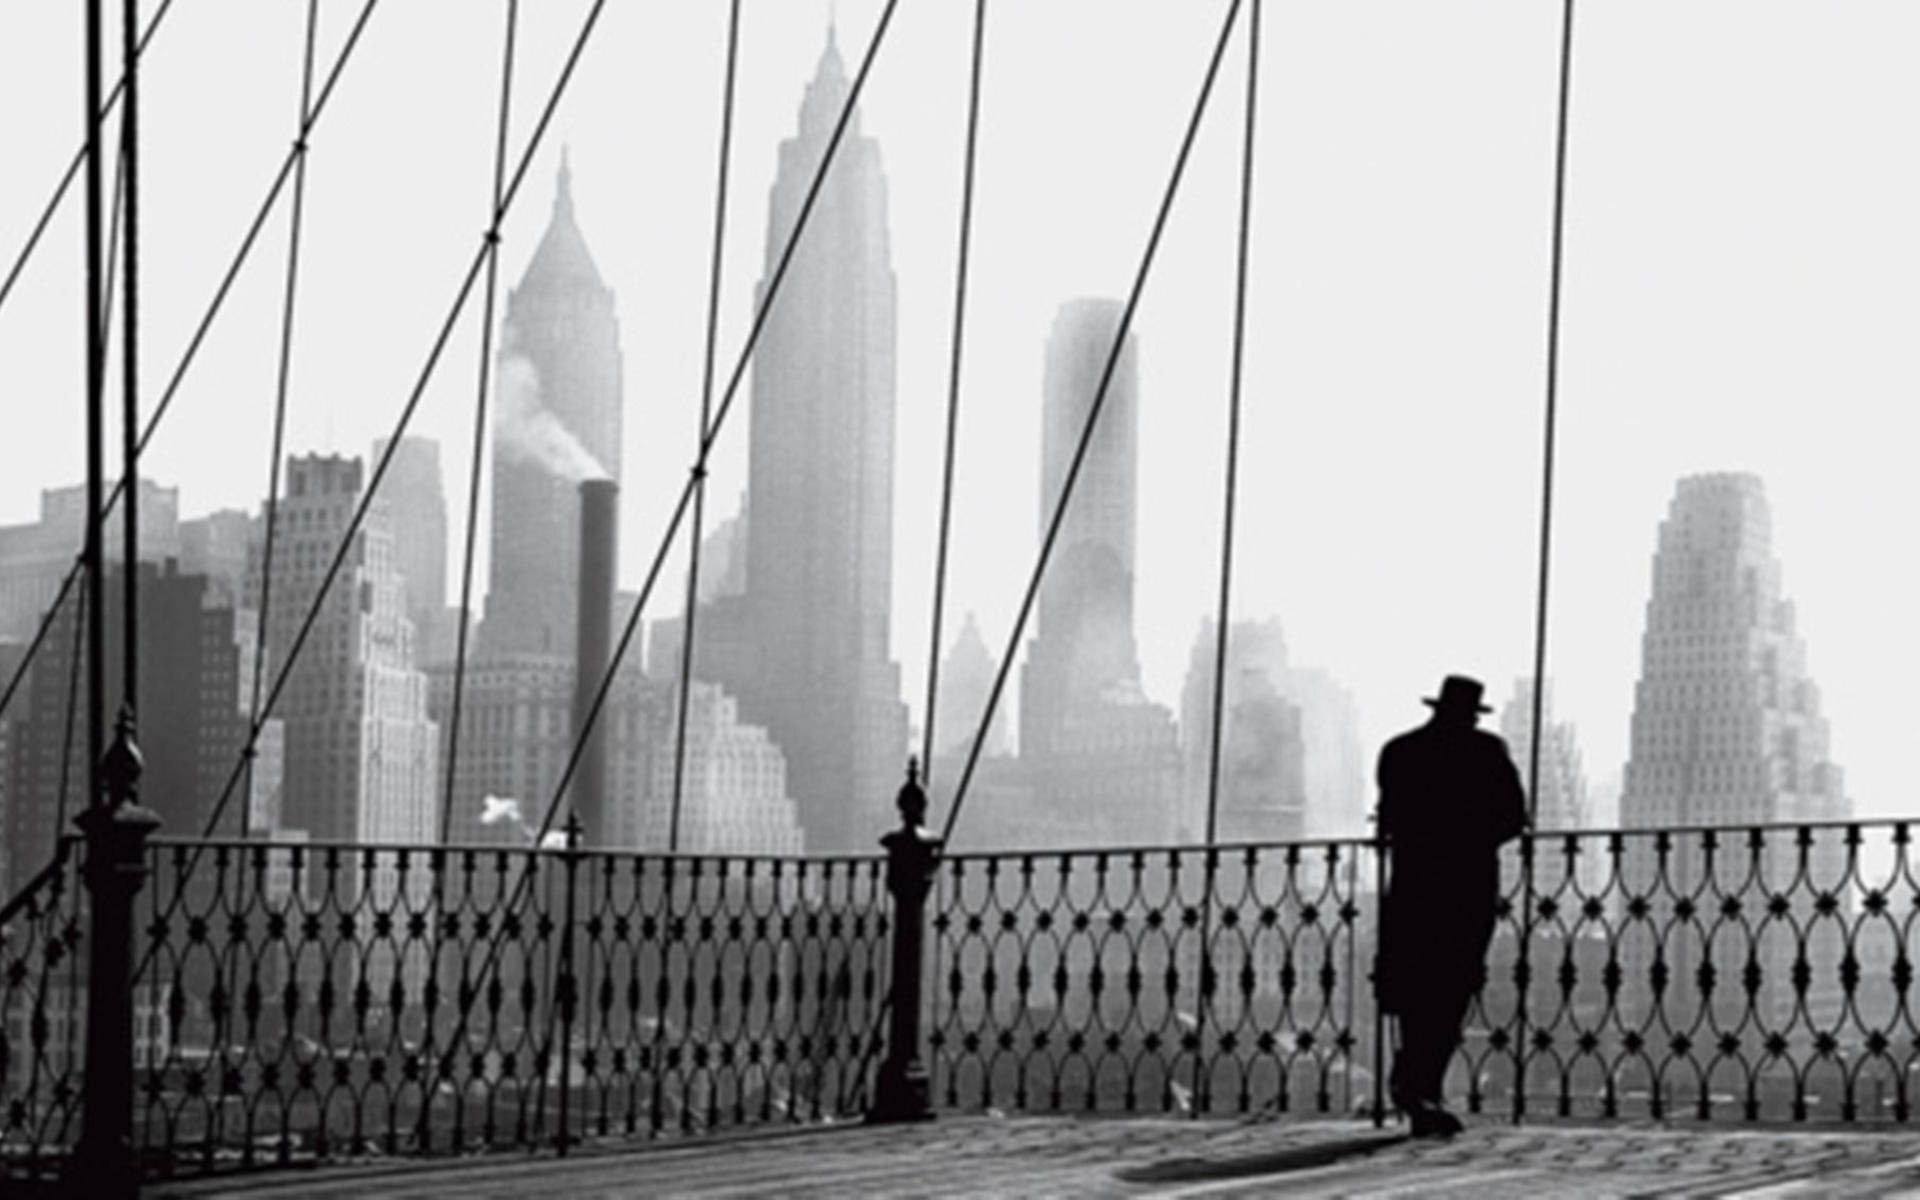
{"points": [[1044, 1156]]}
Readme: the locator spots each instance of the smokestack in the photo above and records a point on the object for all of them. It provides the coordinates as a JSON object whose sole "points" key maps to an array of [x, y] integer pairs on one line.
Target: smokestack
{"points": [[599, 512]]}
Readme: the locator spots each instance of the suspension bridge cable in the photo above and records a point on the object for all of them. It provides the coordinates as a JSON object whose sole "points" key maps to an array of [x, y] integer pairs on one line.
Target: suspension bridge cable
{"points": [[282, 378], [768, 295], [96, 398], [73, 167], [485, 387], [1203, 1081], [1093, 413], [1216, 733], [73, 697], [706, 413], [344, 549], [963, 257], [1554, 279], [105, 509], [130, 353]]}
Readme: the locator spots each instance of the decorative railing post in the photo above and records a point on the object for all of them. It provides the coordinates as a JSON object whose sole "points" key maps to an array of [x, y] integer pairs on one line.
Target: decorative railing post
{"points": [[116, 830], [903, 1091], [567, 989]]}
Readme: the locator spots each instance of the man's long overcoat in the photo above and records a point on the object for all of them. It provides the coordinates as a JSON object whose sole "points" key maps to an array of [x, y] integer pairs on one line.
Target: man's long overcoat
{"points": [[1449, 795]]}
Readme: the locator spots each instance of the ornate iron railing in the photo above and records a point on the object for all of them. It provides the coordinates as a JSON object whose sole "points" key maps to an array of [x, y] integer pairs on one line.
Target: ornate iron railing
{"points": [[42, 1011], [1173, 979], [324, 1000], [1760, 973], [1757, 973]]}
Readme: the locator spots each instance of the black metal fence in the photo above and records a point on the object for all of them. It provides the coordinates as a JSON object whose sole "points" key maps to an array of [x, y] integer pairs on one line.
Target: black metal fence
{"points": [[42, 1011], [1743, 973], [1173, 979], [309, 1001], [305, 1001]]}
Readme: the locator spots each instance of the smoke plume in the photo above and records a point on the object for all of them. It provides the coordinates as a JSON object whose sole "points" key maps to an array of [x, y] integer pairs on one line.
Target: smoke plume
{"points": [[528, 430]]}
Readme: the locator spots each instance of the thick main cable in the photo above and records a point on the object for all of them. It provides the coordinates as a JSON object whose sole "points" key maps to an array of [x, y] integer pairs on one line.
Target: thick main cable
{"points": [[706, 413], [963, 257], [479, 446], [73, 166], [1093, 415], [130, 354]]}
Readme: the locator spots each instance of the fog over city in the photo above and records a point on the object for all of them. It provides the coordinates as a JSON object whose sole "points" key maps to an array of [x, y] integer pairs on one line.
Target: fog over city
{"points": [[1737, 298]]}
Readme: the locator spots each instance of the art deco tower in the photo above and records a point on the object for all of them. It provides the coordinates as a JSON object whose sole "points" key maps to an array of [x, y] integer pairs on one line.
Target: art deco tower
{"points": [[806, 649], [556, 422], [1727, 730]]}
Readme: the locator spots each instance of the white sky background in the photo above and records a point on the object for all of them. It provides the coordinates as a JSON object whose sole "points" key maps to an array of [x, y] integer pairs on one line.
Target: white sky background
{"points": [[1739, 295]]}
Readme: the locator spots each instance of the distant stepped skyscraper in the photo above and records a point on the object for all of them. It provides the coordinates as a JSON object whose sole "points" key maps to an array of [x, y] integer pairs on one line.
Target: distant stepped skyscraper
{"points": [[1727, 730], [557, 421], [806, 647]]}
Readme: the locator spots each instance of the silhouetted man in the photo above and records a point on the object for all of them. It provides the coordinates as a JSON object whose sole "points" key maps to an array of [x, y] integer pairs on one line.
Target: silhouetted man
{"points": [[1449, 795]]}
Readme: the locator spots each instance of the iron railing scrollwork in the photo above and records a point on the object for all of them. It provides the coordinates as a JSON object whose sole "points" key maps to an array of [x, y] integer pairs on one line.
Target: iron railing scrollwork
{"points": [[42, 1012]]}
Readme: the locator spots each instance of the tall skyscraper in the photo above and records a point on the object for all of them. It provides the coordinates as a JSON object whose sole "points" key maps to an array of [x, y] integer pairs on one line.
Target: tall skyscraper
{"points": [[360, 748], [557, 421], [35, 557], [806, 649], [1727, 730], [417, 504], [1095, 746], [1727, 727]]}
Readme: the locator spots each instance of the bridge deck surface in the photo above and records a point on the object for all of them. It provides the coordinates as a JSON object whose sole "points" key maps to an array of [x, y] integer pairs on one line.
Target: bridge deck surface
{"points": [[1040, 1156]]}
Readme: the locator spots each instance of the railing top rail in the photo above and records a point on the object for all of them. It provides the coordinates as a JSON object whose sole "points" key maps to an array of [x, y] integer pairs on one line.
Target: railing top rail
{"points": [[875, 859], [1893, 824]]}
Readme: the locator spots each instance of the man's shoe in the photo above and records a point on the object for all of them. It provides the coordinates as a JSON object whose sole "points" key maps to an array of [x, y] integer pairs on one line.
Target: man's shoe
{"points": [[1430, 1120]]}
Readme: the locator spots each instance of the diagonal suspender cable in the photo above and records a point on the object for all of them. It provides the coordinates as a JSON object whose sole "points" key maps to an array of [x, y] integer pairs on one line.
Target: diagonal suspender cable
{"points": [[963, 257], [727, 398], [1093, 414], [485, 387], [105, 509], [1217, 731], [341, 552], [706, 413], [282, 376], [768, 295], [73, 167], [1546, 515]]}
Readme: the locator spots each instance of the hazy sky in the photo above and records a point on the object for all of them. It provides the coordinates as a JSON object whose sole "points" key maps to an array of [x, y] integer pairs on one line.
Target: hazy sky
{"points": [[1740, 258]]}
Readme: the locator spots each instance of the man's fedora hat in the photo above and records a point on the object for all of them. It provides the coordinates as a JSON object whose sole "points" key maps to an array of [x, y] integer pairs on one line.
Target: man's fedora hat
{"points": [[1458, 691]]}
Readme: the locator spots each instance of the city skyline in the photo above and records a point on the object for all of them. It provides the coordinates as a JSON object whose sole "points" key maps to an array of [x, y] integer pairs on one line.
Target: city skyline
{"points": [[1789, 307]]}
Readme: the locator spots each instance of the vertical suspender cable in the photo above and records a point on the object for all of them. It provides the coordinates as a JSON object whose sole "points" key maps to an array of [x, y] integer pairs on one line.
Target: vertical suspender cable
{"points": [[929, 745], [1546, 524], [480, 414], [1141, 272], [1233, 428], [706, 415], [284, 374], [130, 352], [1203, 1080], [96, 399]]}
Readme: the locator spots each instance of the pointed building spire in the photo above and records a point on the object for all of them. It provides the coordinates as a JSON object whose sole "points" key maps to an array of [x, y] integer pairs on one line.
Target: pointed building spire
{"points": [[563, 192]]}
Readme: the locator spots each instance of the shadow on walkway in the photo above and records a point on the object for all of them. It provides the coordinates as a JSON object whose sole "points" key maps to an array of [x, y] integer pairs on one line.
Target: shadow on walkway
{"points": [[1273, 1162]]}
